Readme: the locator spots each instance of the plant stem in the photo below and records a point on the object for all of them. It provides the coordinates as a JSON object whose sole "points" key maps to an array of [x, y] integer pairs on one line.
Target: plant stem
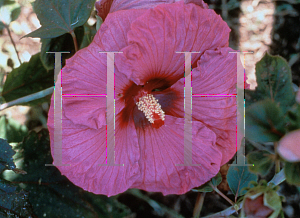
{"points": [[222, 195], [27, 98], [12, 41], [277, 161], [277, 179], [74, 40], [198, 204]]}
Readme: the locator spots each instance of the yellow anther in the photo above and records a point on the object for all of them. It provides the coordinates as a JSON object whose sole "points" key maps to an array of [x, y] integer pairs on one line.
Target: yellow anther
{"points": [[151, 108]]}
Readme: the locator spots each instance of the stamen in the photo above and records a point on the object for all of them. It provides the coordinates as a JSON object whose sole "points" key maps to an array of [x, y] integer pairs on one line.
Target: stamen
{"points": [[152, 109]]}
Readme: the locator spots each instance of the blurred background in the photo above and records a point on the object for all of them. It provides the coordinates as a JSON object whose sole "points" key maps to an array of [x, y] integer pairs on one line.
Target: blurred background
{"points": [[257, 26]]}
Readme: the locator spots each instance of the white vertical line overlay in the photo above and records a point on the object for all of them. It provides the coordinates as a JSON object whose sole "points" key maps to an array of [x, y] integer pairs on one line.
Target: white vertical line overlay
{"points": [[188, 127], [110, 110], [240, 156], [57, 147]]}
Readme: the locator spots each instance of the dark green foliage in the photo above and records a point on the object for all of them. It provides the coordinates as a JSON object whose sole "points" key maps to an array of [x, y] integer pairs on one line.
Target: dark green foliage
{"points": [[274, 81], [58, 17], [29, 78], [12, 130], [261, 160], [215, 181], [13, 201], [265, 122], [51, 193], [61, 43]]}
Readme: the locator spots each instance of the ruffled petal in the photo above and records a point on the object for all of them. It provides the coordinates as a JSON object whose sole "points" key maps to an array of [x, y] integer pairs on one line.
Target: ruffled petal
{"points": [[156, 36], [214, 75], [219, 115], [163, 149], [84, 149], [86, 73], [112, 35], [104, 7]]}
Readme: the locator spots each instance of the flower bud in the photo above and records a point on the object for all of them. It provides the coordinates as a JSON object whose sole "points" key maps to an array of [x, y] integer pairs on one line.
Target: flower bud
{"points": [[261, 201]]}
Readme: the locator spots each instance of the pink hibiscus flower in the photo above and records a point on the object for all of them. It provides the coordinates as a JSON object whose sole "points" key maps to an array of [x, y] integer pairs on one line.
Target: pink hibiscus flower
{"points": [[151, 149]]}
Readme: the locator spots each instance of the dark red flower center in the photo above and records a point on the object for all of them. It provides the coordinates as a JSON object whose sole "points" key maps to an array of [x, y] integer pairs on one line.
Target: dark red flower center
{"points": [[147, 104]]}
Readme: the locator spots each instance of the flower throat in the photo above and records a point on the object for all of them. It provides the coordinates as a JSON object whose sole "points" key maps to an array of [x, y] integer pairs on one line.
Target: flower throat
{"points": [[149, 105]]}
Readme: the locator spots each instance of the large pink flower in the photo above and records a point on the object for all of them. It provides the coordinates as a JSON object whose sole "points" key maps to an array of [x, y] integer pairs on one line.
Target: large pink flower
{"points": [[151, 152]]}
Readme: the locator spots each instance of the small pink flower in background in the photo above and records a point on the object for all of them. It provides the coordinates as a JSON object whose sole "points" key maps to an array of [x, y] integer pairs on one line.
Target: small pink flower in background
{"points": [[289, 148], [149, 69]]}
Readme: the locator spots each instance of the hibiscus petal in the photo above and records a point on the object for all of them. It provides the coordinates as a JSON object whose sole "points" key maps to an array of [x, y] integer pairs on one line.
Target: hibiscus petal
{"points": [[219, 115], [84, 149], [86, 73], [88, 111], [112, 35], [104, 7], [156, 36], [214, 75], [162, 149]]}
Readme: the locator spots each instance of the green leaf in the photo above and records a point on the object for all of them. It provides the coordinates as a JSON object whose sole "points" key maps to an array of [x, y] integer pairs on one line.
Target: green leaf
{"points": [[294, 118], [264, 122], [238, 178], [215, 181], [27, 79], [15, 13], [6, 160], [272, 200], [262, 162], [12, 130], [274, 81], [58, 44], [50, 193], [58, 17], [292, 172]]}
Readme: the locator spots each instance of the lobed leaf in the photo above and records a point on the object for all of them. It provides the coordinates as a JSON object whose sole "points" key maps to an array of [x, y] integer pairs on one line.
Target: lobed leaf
{"points": [[58, 17]]}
